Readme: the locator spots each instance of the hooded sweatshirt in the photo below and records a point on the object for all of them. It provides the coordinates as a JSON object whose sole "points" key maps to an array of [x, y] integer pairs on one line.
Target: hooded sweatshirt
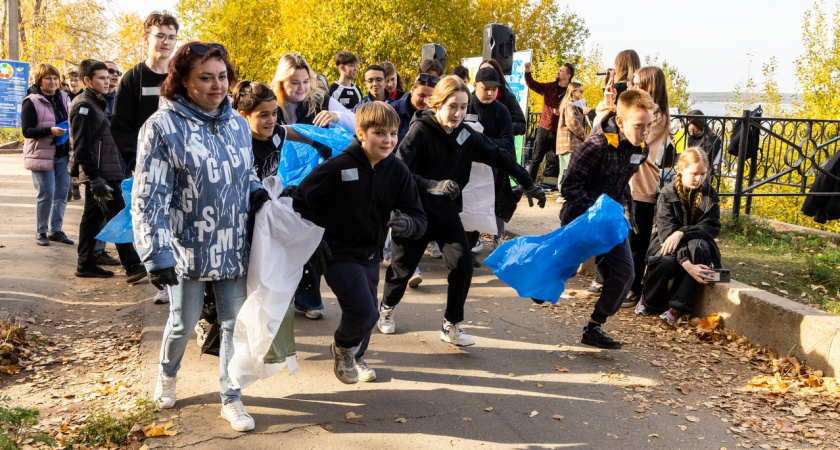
{"points": [[433, 154], [192, 183]]}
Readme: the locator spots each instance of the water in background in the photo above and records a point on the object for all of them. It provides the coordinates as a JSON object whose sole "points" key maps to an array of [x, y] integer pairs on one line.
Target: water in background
{"points": [[715, 103]]}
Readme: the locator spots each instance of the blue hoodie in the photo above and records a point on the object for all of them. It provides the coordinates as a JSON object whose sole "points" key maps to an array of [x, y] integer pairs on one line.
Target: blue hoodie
{"points": [[192, 183]]}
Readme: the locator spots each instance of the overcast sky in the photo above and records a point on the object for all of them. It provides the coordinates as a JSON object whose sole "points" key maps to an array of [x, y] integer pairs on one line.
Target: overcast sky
{"points": [[708, 41]]}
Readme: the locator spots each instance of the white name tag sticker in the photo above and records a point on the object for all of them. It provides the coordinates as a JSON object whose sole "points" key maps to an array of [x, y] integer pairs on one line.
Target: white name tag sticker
{"points": [[155, 91], [344, 101], [471, 118], [276, 140], [463, 136], [636, 158], [83, 111], [350, 174]]}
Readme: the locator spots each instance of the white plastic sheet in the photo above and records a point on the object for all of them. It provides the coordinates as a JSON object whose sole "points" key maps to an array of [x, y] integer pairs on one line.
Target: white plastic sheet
{"points": [[283, 241], [479, 201]]}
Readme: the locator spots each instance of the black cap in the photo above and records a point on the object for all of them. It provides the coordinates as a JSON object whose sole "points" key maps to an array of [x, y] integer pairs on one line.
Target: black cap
{"points": [[488, 76]]}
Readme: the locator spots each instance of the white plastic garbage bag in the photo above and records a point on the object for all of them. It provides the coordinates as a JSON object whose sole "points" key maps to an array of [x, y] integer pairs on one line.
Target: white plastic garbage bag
{"points": [[283, 241], [479, 200]]}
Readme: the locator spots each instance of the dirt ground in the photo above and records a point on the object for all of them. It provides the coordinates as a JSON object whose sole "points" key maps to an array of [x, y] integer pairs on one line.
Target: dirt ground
{"points": [[703, 388]]}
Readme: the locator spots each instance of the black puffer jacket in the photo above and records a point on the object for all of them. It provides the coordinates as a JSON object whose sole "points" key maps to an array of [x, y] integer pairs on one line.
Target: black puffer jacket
{"points": [[99, 158], [670, 218]]}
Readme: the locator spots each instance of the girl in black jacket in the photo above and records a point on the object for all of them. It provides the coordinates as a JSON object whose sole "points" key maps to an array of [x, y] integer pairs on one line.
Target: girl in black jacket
{"points": [[682, 247], [439, 150]]}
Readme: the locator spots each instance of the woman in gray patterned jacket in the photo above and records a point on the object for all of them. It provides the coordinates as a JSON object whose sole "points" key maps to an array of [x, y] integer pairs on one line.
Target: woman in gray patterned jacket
{"points": [[194, 185]]}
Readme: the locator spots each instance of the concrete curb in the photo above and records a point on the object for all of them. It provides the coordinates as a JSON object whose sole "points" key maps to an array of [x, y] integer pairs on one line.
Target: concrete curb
{"points": [[776, 323]]}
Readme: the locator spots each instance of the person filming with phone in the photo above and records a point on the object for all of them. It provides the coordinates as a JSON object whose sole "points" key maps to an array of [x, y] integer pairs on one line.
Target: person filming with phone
{"points": [[682, 246]]}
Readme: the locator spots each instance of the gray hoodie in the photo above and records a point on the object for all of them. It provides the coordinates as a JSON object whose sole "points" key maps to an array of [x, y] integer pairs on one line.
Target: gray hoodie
{"points": [[192, 184]]}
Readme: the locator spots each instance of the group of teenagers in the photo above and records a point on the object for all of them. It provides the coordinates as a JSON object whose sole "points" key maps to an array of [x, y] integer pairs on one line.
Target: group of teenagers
{"points": [[205, 141]]}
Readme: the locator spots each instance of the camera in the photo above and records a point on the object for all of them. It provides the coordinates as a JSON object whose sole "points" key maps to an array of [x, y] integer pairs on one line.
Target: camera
{"points": [[601, 74]]}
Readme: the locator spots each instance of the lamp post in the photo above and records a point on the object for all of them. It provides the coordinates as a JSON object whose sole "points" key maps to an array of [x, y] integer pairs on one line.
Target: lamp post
{"points": [[14, 31]]}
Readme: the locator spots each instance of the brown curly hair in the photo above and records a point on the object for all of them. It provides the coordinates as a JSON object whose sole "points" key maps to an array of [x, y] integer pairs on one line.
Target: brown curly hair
{"points": [[183, 62], [689, 198]]}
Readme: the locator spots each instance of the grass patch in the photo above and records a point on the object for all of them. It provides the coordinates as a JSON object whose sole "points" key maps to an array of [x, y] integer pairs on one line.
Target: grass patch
{"points": [[104, 429], [800, 266], [17, 426]]}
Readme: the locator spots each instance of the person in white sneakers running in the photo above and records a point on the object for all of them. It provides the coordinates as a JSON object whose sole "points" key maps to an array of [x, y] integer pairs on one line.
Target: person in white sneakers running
{"points": [[439, 150], [352, 196]]}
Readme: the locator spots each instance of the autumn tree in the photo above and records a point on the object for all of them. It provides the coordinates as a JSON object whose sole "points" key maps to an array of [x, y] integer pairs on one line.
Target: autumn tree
{"points": [[818, 69], [128, 47]]}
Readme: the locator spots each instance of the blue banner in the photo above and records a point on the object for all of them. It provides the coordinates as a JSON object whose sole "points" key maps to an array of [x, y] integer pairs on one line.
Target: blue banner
{"points": [[14, 80]]}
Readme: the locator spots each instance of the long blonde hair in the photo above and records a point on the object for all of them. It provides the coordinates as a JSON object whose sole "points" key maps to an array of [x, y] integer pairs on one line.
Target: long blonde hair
{"points": [[689, 199], [567, 98], [288, 65]]}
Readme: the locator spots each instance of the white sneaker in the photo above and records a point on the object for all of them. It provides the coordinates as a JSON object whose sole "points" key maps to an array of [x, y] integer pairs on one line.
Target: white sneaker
{"points": [[202, 329], [478, 247], [497, 242], [366, 373], [415, 279], [433, 250], [314, 314], [344, 367], [453, 334], [165, 391], [239, 419], [386, 323], [162, 296]]}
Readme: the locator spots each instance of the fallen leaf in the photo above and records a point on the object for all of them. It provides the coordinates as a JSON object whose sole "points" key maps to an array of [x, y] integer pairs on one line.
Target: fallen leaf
{"points": [[557, 417], [467, 419], [692, 418], [533, 413], [352, 415], [511, 374], [488, 409], [539, 385], [682, 427], [653, 435], [561, 369], [785, 427], [328, 427], [400, 420], [800, 412]]}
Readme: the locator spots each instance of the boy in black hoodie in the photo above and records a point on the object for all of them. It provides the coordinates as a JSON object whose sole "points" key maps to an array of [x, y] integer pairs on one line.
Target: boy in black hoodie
{"points": [[352, 196]]}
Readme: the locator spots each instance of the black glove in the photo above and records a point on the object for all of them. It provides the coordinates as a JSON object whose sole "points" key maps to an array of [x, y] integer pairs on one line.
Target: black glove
{"points": [[289, 191], [401, 225], [319, 259], [630, 215], [535, 192], [101, 190], [324, 151], [257, 199], [163, 277], [448, 188]]}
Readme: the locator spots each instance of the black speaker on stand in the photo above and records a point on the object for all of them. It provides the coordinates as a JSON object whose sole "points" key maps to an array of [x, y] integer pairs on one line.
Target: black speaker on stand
{"points": [[436, 52], [499, 44]]}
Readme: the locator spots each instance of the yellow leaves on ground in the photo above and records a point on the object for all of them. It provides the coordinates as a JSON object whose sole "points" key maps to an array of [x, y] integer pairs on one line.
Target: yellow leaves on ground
{"points": [[153, 430], [352, 415]]}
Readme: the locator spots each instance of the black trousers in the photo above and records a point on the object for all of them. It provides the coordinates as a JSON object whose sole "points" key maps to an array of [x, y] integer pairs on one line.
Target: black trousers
{"points": [[94, 214], [544, 145], [645, 215], [456, 255], [657, 295], [354, 285], [617, 281]]}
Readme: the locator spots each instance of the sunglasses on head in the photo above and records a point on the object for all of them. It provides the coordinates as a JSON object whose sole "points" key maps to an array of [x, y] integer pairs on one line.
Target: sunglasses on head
{"points": [[429, 80], [114, 71], [202, 49]]}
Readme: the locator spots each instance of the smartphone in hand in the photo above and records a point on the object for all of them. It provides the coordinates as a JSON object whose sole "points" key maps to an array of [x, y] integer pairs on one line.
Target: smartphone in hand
{"points": [[721, 275]]}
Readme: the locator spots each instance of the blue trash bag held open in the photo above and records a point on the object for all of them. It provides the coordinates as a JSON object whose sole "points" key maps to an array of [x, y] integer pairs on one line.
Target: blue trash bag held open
{"points": [[298, 159], [539, 266], [119, 230]]}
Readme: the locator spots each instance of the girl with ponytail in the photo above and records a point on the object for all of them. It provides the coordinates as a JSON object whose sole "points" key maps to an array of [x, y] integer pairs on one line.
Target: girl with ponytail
{"points": [[682, 246]]}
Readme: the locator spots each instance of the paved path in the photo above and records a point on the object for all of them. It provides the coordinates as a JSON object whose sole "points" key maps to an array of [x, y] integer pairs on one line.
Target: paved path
{"points": [[526, 369]]}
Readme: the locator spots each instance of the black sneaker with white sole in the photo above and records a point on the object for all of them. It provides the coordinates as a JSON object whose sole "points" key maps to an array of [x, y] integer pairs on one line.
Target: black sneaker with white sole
{"points": [[597, 337]]}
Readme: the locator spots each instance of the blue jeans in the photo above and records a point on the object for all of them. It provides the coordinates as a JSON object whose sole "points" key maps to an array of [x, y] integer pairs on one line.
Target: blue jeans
{"points": [[186, 300], [52, 187]]}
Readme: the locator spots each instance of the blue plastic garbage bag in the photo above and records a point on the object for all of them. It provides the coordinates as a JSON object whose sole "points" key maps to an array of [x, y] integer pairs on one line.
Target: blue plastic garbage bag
{"points": [[119, 229], [64, 137], [298, 159], [538, 266]]}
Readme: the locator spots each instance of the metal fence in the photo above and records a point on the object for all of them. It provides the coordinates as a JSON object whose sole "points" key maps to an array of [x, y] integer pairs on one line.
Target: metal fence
{"points": [[791, 152]]}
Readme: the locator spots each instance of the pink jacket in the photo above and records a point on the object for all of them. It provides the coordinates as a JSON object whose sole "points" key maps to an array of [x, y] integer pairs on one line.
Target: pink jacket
{"points": [[38, 154]]}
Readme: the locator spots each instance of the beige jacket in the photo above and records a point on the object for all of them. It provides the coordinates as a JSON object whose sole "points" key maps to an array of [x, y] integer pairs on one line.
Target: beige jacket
{"points": [[571, 129], [645, 183]]}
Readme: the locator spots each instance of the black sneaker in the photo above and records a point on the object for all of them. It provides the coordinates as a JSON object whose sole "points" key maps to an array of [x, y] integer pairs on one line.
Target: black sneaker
{"points": [[77, 194], [475, 262], [93, 272], [59, 236], [136, 274], [537, 301], [41, 239], [631, 300], [596, 337], [594, 290], [104, 259]]}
